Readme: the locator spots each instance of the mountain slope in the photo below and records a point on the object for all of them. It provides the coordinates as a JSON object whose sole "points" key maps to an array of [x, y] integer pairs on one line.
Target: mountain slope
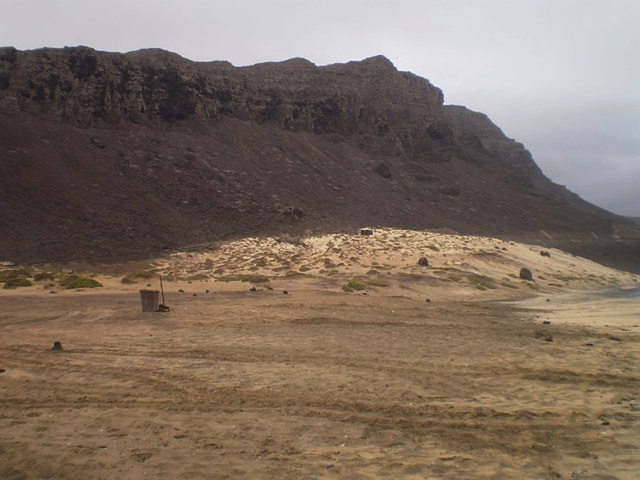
{"points": [[107, 154]]}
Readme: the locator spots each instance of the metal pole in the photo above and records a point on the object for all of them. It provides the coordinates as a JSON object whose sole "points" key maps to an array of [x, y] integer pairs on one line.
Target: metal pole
{"points": [[162, 291]]}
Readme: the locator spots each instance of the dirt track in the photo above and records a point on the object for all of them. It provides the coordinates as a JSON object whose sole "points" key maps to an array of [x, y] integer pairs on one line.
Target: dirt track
{"points": [[313, 384]]}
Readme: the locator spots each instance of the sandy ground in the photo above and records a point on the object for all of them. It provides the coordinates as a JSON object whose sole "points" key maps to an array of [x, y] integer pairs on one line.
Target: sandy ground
{"points": [[493, 378]]}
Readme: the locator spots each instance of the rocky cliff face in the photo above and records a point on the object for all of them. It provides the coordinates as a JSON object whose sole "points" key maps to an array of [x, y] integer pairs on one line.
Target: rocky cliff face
{"points": [[396, 111], [107, 154]]}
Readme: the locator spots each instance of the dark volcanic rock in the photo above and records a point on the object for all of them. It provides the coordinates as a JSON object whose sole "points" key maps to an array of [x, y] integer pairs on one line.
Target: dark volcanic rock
{"points": [[525, 274], [107, 154]]}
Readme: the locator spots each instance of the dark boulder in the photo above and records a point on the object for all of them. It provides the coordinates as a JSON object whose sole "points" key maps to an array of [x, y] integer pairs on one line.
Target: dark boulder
{"points": [[525, 274]]}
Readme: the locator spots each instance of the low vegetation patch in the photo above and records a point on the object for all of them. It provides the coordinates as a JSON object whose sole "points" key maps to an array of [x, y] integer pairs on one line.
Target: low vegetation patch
{"points": [[16, 282], [354, 286], [208, 264], [294, 274], [198, 276], [245, 278], [135, 277], [65, 280], [14, 273], [329, 273], [377, 282], [42, 276], [482, 282], [82, 282]]}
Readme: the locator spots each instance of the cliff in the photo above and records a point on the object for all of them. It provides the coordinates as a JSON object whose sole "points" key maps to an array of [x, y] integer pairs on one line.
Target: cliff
{"points": [[108, 154]]}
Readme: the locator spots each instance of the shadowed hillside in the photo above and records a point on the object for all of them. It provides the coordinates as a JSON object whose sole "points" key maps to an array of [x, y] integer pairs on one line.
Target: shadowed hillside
{"points": [[111, 155]]}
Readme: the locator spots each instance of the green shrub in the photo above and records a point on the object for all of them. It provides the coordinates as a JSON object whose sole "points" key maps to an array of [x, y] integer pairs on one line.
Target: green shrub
{"points": [[354, 285], [81, 282], [14, 273], [41, 276], [66, 279], [136, 276], [16, 282]]}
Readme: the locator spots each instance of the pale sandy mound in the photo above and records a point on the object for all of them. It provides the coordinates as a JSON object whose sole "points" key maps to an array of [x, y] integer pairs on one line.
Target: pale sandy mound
{"points": [[385, 263]]}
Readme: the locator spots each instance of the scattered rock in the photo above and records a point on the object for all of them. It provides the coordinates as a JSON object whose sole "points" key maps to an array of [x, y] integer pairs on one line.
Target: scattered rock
{"points": [[253, 289], [587, 344], [366, 231], [545, 254], [98, 142], [195, 295], [2, 370], [615, 339], [163, 308], [383, 170], [424, 262], [57, 346], [428, 300], [548, 339], [180, 290], [525, 274], [206, 291], [285, 292], [546, 322], [548, 299]]}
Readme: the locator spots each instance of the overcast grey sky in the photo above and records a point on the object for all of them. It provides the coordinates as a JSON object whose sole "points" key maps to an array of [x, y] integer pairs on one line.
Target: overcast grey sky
{"points": [[560, 76]]}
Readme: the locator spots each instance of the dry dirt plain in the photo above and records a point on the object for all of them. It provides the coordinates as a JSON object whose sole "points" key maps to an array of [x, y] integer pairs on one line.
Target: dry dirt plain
{"points": [[323, 384]]}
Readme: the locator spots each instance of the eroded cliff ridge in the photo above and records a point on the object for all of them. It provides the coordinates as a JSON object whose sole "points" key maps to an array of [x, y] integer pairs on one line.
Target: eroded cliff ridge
{"points": [[107, 154]]}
